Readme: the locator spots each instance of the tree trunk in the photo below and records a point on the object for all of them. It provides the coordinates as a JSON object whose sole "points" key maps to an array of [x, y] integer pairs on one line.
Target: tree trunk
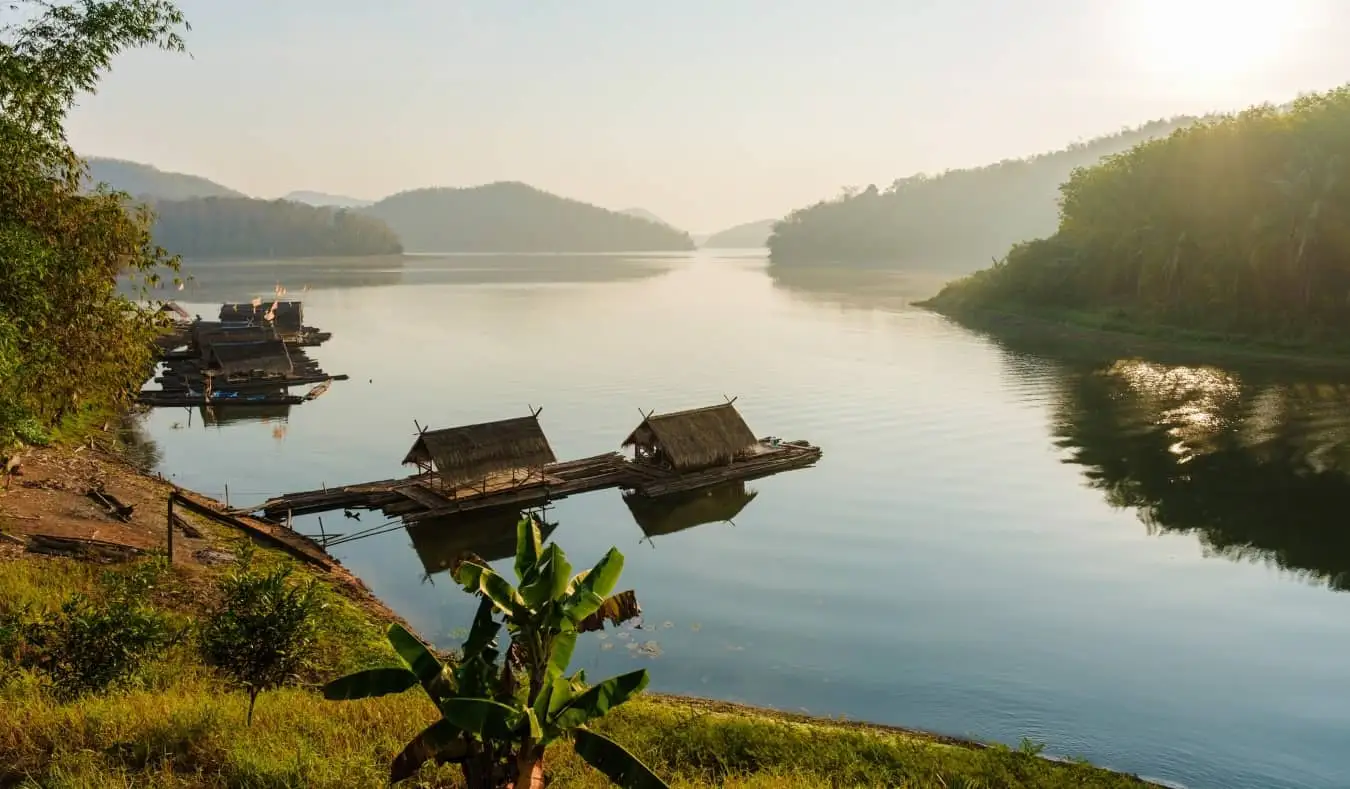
{"points": [[530, 769]]}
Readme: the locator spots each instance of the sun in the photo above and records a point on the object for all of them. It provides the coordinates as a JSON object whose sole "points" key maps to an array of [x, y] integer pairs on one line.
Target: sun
{"points": [[1197, 43]]}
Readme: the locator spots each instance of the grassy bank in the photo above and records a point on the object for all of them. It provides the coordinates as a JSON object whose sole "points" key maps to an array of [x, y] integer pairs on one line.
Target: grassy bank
{"points": [[176, 723], [1089, 333]]}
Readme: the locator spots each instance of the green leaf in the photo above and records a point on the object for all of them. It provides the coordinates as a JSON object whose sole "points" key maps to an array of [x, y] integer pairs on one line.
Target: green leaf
{"points": [[612, 759], [599, 699], [527, 547], [560, 654], [483, 718], [584, 604], [469, 574], [441, 740], [615, 610], [483, 631], [604, 575], [370, 683], [536, 731], [435, 679], [551, 581]]}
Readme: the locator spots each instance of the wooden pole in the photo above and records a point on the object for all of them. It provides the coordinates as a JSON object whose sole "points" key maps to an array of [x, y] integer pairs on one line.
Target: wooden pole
{"points": [[170, 529], [323, 538], [227, 495]]}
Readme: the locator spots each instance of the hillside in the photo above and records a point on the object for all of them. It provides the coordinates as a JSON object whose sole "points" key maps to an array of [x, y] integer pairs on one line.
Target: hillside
{"points": [[514, 217], [1235, 227], [642, 213], [147, 181], [215, 227], [747, 236], [956, 221], [325, 199]]}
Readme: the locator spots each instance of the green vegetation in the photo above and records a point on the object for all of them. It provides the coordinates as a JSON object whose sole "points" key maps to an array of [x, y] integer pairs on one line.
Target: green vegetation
{"points": [[146, 182], [213, 227], [750, 235], [1238, 226], [952, 221], [71, 348], [513, 217]]}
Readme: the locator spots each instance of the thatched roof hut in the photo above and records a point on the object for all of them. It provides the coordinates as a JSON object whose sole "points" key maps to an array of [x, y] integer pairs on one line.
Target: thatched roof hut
{"points": [[680, 511], [268, 357], [491, 534], [287, 316], [474, 452], [691, 440], [205, 334], [176, 310]]}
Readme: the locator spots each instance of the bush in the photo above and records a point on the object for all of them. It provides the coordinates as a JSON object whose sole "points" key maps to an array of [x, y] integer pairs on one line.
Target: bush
{"points": [[263, 632]]}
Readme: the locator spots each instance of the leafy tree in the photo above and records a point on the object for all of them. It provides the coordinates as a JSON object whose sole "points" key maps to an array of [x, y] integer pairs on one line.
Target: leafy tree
{"points": [[262, 634], [500, 712], [243, 227], [70, 345], [1239, 224]]}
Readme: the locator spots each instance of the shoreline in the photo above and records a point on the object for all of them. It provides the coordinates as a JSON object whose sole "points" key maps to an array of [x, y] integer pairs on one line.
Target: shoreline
{"points": [[1079, 339], [51, 499]]}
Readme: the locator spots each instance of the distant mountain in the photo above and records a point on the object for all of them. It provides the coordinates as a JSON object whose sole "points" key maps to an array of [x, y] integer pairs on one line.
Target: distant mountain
{"points": [[748, 235], [957, 220], [642, 213], [515, 217], [324, 199], [242, 227], [147, 181]]}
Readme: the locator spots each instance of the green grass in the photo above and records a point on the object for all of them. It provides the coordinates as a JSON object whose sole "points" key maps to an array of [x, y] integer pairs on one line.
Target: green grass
{"points": [[178, 725]]}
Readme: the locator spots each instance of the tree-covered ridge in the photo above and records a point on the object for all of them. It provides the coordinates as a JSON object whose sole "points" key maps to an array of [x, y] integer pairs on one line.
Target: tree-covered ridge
{"points": [[514, 217], [148, 181], [214, 227], [1239, 224], [750, 235], [957, 220]]}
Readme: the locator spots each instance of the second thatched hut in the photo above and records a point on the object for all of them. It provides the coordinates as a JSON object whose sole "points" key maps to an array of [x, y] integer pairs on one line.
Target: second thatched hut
{"points": [[691, 440]]}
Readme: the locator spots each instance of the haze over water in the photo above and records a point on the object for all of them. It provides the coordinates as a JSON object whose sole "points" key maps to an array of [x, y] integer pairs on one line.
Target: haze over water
{"points": [[1135, 563]]}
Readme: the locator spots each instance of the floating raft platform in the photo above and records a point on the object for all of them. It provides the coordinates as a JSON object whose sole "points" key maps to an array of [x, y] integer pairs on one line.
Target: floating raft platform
{"points": [[423, 497]]}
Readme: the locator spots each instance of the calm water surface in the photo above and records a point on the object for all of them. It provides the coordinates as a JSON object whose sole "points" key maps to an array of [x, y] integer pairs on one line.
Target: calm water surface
{"points": [[1139, 564]]}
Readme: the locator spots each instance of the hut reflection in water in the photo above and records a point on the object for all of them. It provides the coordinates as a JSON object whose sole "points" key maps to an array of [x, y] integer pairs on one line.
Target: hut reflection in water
{"points": [[491, 534], [679, 511]]}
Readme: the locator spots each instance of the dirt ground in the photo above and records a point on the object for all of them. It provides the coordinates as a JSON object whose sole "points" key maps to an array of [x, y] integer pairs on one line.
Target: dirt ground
{"points": [[46, 507]]}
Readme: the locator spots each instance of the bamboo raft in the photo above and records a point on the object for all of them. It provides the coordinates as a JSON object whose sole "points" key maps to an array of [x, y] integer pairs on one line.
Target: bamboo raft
{"points": [[421, 497]]}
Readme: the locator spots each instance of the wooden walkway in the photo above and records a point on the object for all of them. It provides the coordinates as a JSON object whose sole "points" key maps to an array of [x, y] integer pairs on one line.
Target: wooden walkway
{"points": [[419, 498]]}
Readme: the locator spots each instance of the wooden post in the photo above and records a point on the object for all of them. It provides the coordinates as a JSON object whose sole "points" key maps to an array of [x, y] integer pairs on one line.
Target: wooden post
{"points": [[227, 495], [170, 528], [323, 538]]}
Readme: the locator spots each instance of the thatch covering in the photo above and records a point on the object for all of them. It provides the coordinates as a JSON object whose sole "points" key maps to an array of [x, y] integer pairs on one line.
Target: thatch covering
{"points": [[680, 511], [221, 415], [695, 439], [473, 452], [241, 358], [288, 315], [489, 533], [205, 334], [175, 309]]}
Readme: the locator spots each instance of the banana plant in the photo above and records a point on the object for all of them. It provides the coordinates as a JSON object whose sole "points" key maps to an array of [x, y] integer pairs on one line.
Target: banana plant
{"points": [[501, 711]]}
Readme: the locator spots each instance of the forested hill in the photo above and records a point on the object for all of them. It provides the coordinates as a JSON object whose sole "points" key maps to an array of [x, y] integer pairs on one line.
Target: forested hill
{"points": [[748, 235], [146, 181], [216, 227], [1238, 225], [514, 217], [954, 221]]}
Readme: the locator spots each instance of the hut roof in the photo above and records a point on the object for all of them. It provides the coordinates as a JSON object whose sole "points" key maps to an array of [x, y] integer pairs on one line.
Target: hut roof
{"points": [[231, 358], [696, 438], [490, 534], [680, 511], [175, 308], [472, 452], [288, 314], [206, 334]]}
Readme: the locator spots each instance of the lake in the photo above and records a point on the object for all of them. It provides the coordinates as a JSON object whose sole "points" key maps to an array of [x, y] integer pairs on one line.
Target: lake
{"points": [[1139, 564]]}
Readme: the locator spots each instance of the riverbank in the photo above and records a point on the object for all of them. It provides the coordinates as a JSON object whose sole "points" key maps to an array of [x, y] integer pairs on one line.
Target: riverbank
{"points": [[177, 724], [1092, 335]]}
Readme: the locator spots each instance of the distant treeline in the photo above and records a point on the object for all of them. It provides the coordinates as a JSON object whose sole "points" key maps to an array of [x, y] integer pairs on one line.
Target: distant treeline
{"points": [[214, 227], [958, 220], [1238, 224], [514, 217]]}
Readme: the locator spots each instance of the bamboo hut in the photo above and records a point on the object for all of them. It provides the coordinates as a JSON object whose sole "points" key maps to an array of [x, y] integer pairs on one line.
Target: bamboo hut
{"points": [[267, 359], [491, 534], [286, 316], [175, 311], [691, 440], [680, 511], [473, 453]]}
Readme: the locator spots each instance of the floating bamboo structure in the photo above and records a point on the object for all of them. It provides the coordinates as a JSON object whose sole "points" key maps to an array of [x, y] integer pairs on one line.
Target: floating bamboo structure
{"points": [[510, 464]]}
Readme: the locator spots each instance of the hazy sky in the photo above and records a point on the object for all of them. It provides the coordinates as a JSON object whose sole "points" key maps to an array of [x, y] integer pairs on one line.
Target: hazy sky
{"points": [[706, 112]]}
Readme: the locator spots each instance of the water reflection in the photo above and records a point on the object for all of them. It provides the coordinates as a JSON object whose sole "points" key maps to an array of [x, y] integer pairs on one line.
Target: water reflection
{"points": [[867, 289], [1256, 470], [491, 534], [680, 511]]}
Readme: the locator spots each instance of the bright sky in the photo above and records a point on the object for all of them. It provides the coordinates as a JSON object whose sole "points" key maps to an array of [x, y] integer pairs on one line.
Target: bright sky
{"points": [[706, 112]]}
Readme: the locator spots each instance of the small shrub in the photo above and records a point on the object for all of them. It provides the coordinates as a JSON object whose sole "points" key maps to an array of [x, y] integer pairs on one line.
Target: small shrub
{"points": [[264, 631]]}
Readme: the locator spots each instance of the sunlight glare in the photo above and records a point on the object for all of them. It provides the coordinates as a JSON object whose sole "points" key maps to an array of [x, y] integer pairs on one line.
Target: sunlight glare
{"points": [[1197, 43]]}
